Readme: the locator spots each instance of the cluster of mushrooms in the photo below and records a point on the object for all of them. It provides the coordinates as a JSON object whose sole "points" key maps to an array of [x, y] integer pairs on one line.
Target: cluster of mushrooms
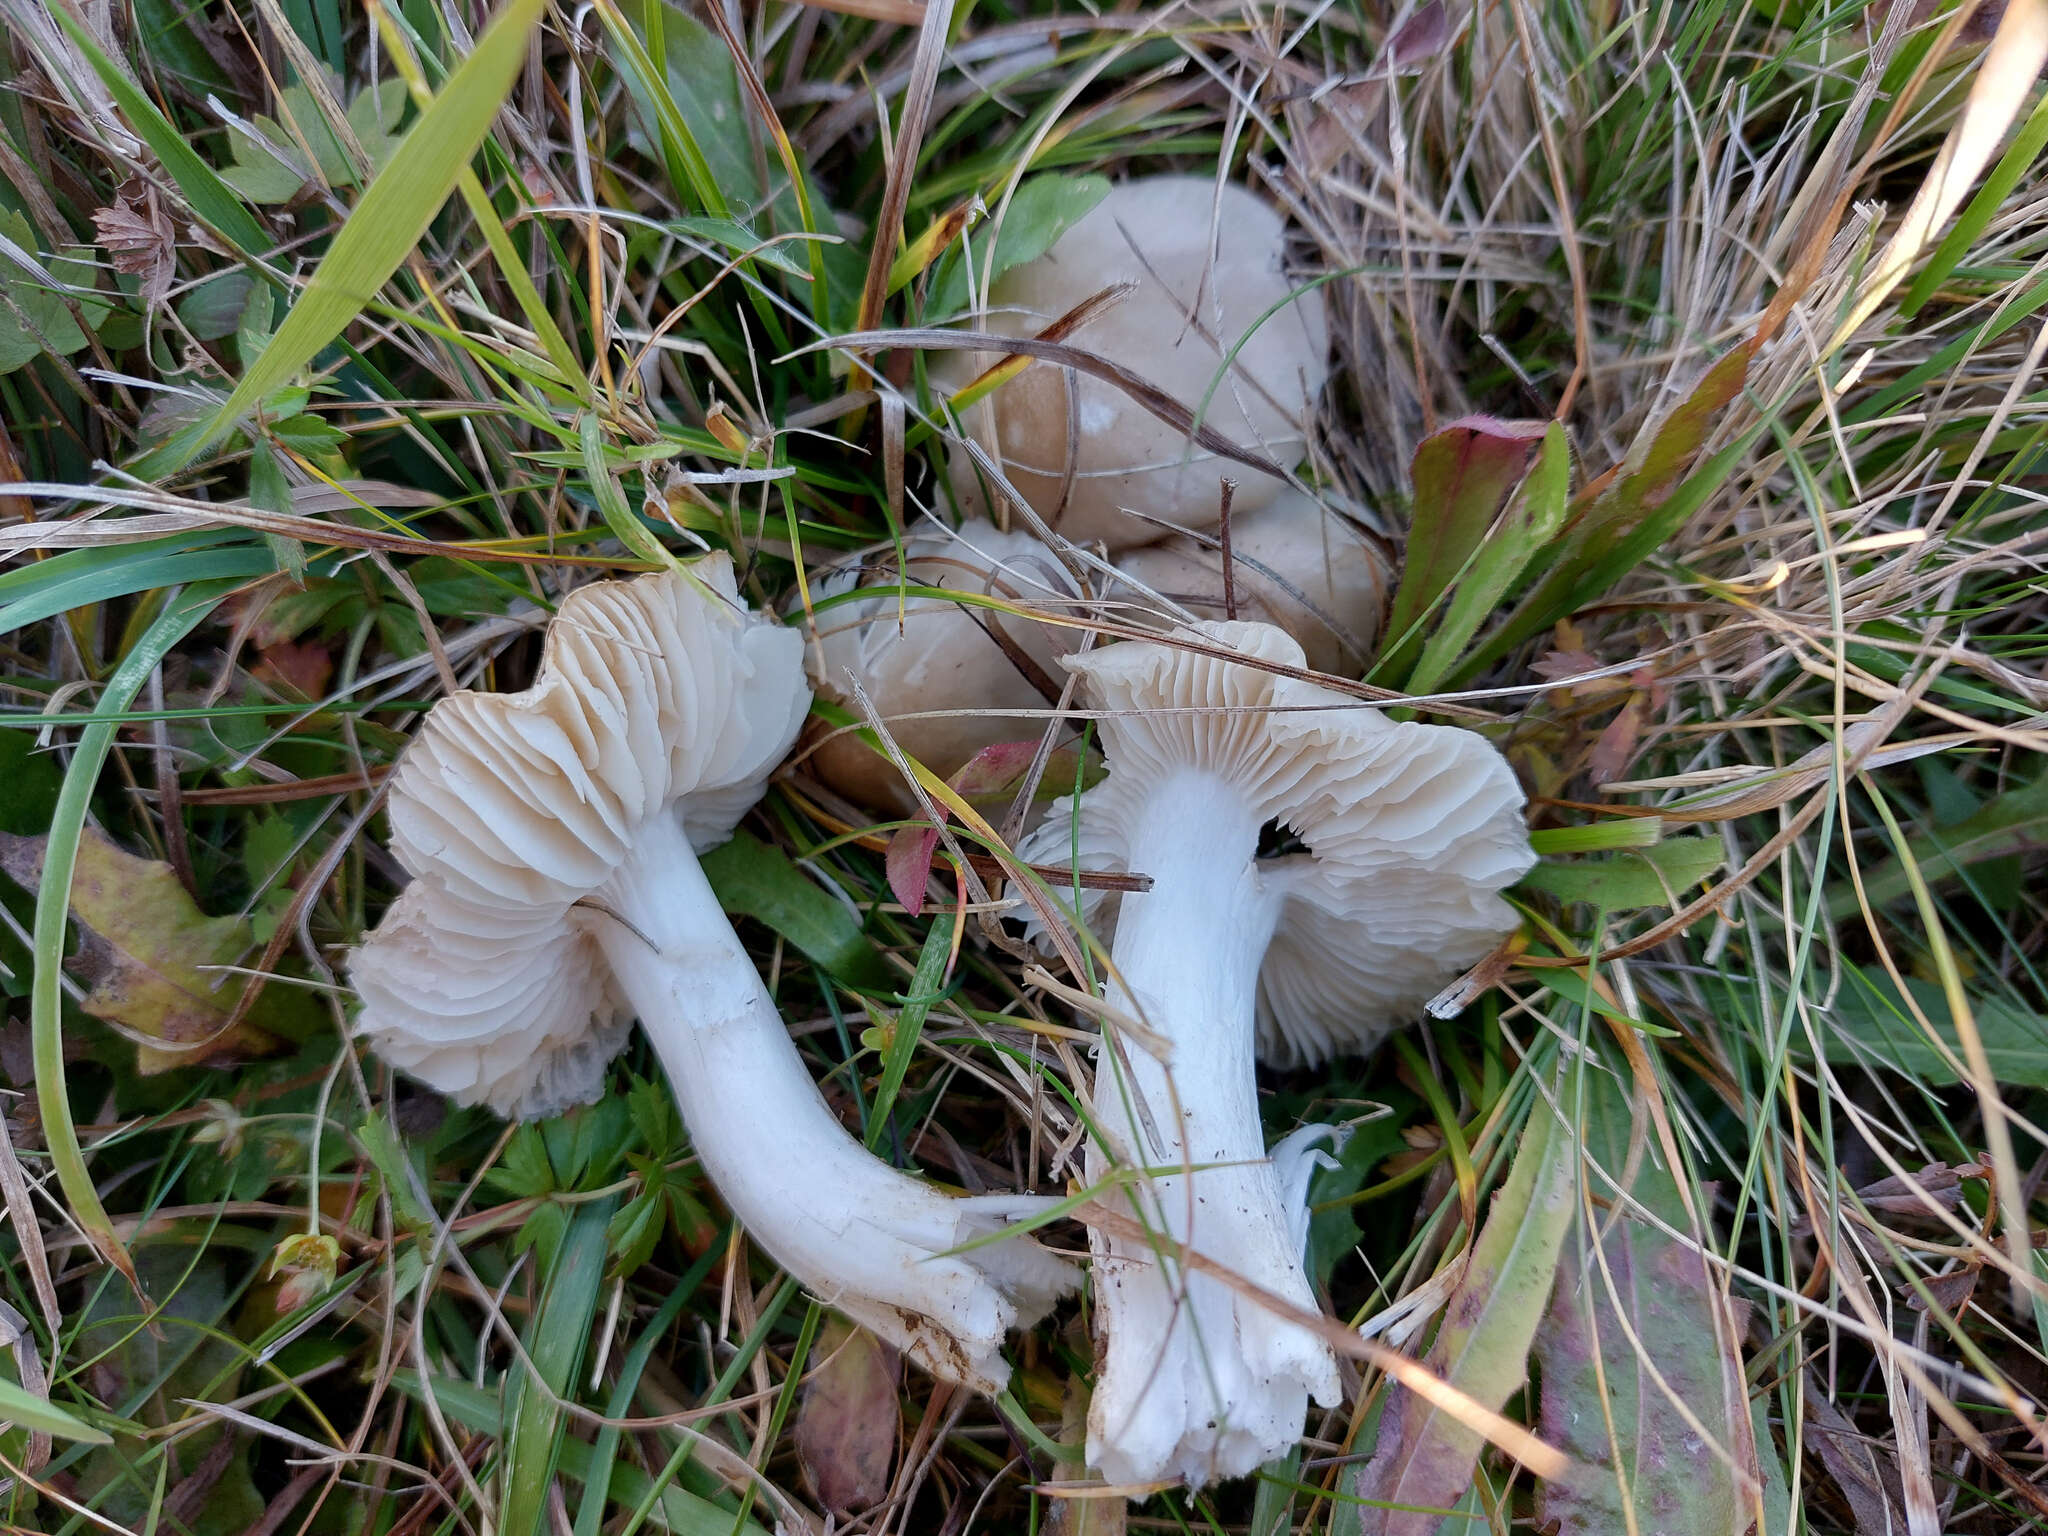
{"points": [[1316, 870]]}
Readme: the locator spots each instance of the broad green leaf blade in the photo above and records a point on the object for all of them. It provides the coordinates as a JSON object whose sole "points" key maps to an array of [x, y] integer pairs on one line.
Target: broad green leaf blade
{"points": [[758, 881], [1870, 1024], [1042, 209], [1532, 522], [1462, 476], [1647, 502], [20, 1406], [2011, 822], [554, 1341], [1426, 1457], [394, 212], [82, 576], [1638, 1355], [1627, 882]]}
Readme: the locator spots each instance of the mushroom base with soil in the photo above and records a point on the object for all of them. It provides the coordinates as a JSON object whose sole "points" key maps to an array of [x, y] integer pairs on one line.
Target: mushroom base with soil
{"points": [[1201, 1379]]}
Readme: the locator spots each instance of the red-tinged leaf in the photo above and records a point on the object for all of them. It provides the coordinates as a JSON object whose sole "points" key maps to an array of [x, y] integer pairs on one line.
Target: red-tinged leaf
{"points": [[301, 667], [1563, 666], [1653, 1461], [993, 769], [1621, 1274], [1425, 1458], [846, 1428], [908, 864], [1462, 475], [144, 949], [1616, 748], [1626, 521], [1420, 39]]}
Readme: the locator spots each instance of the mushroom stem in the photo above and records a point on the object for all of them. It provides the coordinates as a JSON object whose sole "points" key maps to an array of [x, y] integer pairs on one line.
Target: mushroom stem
{"points": [[866, 1238], [1199, 1378]]}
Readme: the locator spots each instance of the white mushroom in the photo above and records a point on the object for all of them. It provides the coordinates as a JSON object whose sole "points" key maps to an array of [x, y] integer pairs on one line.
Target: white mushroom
{"points": [[1402, 836], [1294, 563], [915, 655], [1208, 267], [553, 838]]}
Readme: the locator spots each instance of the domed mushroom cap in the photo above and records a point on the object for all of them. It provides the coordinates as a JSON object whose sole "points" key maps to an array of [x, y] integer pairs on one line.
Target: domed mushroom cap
{"points": [[940, 656], [659, 696], [1207, 271], [1298, 564], [1407, 832]]}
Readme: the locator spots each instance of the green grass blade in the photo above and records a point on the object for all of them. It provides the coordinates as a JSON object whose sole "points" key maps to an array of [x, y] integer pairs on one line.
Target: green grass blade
{"points": [[925, 989], [20, 1406], [394, 212], [53, 909], [2017, 160], [555, 1340]]}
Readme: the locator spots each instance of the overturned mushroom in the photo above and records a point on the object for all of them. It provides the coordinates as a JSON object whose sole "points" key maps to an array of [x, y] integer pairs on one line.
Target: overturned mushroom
{"points": [[936, 671], [553, 837], [1207, 267], [1294, 563], [1399, 838]]}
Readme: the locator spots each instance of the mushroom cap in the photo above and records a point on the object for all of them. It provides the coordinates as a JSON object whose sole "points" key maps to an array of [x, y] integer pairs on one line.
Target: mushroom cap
{"points": [[1195, 300], [940, 657], [1299, 565], [1411, 830], [659, 696]]}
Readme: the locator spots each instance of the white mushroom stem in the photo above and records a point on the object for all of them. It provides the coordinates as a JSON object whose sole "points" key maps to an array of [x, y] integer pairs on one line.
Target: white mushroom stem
{"points": [[865, 1238], [1199, 1377]]}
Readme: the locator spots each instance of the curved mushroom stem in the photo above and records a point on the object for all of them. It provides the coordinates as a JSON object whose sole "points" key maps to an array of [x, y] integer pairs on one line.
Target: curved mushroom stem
{"points": [[1200, 1380], [865, 1238]]}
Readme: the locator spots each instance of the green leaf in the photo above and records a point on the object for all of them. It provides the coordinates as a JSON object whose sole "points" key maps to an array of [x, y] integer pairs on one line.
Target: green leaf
{"points": [[1426, 1456], [1462, 477], [1631, 1437], [214, 308], [689, 102], [270, 167], [53, 908], [1574, 987], [1042, 209], [740, 240], [1333, 1229], [34, 318], [20, 1406], [1970, 224], [675, 1509], [394, 212], [1523, 534], [1870, 1023], [2013, 821], [554, 1339], [925, 989], [611, 499], [1650, 498], [758, 881], [1627, 882]]}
